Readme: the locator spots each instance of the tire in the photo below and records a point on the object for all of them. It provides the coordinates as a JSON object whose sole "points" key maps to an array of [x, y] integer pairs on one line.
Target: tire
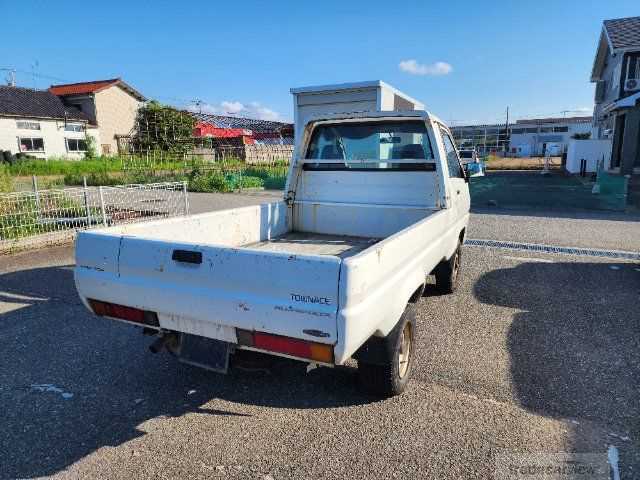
{"points": [[390, 376], [448, 272]]}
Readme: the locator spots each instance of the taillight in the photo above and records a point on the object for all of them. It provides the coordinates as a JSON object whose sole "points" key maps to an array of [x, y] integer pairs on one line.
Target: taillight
{"points": [[286, 345], [106, 309]]}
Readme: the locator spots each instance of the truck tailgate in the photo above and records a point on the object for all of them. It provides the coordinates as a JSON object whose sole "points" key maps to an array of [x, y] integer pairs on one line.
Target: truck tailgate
{"points": [[275, 292]]}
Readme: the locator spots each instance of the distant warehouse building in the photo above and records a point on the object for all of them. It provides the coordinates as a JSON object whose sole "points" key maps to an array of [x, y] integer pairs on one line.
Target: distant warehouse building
{"points": [[532, 137], [541, 136]]}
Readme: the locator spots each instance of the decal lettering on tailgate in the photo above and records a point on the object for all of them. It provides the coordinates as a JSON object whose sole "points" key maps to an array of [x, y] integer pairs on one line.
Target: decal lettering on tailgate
{"points": [[310, 299]]}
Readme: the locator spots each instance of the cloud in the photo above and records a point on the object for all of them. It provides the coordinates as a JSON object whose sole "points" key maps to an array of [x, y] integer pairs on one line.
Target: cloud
{"points": [[237, 109], [414, 68]]}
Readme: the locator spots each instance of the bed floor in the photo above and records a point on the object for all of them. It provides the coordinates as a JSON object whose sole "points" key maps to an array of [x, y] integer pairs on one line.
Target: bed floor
{"points": [[304, 243]]}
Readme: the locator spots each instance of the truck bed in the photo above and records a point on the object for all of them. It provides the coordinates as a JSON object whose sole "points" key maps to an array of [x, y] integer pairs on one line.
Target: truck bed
{"points": [[305, 243]]}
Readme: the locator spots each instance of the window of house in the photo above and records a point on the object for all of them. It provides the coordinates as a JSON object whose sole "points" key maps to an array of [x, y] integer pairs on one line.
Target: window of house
{"points": [[73, 127], [23, 125], [453, 162], [76, 145], [31, 144], [546, 129], [517, 131], [634, 68], [560, 129], [531, 130]]}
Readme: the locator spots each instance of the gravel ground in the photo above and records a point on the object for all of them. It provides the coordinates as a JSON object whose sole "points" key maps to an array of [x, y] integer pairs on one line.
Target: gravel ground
{"points": [[533, 354], [612, 231], [206, 202]]}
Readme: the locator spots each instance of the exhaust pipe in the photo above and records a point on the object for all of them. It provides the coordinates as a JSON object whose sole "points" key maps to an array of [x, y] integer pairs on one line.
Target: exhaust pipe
{"points": [[158, 345]]}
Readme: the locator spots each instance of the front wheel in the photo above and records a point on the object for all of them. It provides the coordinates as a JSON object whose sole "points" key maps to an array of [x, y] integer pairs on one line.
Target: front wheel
{"points": [[448, 272], [389, 375]]}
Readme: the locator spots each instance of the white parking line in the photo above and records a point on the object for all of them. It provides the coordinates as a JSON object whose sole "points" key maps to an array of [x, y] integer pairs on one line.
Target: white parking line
{"points": [[529, 259], [612, 453]]}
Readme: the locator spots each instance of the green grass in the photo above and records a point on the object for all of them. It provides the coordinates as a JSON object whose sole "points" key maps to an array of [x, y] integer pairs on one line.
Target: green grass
{"points": [[215, 180], [64, 167], [6, 184]]}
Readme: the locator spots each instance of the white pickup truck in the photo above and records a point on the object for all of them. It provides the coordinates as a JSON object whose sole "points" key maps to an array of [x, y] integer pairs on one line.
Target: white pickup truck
{"points": [[374, 203]]}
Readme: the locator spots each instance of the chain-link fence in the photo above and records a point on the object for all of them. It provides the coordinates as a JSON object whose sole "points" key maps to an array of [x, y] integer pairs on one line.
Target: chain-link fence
{"points": [[45, 217]]}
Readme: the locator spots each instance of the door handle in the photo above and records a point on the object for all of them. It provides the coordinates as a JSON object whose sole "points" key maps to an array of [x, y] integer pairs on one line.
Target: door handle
{"points": [[187, 256]]}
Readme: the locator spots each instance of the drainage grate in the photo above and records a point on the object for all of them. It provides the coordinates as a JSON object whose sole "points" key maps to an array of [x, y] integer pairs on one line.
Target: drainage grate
{"points": [[532, 247]]}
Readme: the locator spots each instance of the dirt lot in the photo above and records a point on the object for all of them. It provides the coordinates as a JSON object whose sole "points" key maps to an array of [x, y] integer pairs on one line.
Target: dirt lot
{"points": [[536, 353], [520, 163]]}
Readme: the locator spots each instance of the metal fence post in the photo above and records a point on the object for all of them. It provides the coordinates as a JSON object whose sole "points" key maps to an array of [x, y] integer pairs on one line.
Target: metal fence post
{"points": [[186, 198], [34, 180], [104, 213], [86, 200]]}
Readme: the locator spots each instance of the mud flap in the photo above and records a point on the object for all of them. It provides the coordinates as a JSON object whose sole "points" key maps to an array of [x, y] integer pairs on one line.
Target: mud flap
{"points": [[205, 352]]}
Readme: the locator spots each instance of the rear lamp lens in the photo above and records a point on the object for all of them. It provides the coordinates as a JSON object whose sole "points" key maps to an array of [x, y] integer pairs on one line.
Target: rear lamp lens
{"points": [[106, 309], [295, 347]]}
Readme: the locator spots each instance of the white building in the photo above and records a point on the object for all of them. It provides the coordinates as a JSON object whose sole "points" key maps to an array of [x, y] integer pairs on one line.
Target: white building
{"points": [[537, 137], [110, 105], [37, 123]]}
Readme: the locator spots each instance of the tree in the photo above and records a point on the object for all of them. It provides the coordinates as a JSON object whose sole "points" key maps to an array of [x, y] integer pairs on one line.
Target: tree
{"points": [[160, 127]]}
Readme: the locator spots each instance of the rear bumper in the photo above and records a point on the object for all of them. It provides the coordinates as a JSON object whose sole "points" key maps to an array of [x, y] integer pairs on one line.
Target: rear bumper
{"points": [[95, 285], [207, 312]]}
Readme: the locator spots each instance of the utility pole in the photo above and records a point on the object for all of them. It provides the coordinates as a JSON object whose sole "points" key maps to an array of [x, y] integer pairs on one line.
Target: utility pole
{"points": [[198, 103], [11, 76], [507, 137]]}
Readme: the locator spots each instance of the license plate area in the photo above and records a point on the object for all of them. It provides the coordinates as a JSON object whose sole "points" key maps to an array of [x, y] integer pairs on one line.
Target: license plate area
{"points": [[205, 352]]}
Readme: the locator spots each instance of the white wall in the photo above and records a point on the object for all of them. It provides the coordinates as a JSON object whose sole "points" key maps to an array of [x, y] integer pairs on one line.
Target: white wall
{"points": [[51, 131], [591, 150], [537, 140], [116, 114]]}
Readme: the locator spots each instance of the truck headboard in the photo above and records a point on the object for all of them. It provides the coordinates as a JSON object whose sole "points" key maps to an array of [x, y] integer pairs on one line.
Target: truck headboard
{"points": [[369, 186]]}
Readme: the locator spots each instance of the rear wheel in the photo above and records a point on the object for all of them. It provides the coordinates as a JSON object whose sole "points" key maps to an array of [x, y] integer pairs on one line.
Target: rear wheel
{"points": [[448, 272], [388, 375]]}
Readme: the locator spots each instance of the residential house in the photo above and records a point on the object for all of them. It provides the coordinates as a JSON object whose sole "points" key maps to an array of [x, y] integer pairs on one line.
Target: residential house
{"points": [[111, 106], [616, 73], [36, 122]]}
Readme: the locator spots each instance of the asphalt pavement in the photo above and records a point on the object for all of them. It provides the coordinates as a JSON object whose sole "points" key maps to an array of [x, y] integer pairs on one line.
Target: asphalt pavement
{"points": [[535, 353]]}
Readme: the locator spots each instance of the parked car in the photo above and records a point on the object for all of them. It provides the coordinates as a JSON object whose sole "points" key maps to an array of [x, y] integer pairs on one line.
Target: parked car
{"points": [[375, 202]]}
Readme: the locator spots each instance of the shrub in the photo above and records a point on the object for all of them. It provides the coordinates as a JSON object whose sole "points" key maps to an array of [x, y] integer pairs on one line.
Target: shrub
{"points": [[6, 185]]}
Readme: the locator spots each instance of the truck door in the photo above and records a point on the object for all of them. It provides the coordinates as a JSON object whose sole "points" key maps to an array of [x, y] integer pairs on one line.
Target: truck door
{"points": [[458, 197]]}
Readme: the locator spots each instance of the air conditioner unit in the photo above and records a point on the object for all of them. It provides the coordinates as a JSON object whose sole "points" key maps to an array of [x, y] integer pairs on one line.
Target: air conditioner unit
{"points": [[632, 84]]}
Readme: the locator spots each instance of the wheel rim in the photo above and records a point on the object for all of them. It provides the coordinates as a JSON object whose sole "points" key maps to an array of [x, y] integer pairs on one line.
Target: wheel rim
{"points": [[456, 266], [404, 354]]}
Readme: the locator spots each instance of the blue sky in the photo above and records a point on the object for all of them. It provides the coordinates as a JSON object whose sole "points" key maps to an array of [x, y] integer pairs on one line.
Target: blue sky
{"points": [[466, 60]]}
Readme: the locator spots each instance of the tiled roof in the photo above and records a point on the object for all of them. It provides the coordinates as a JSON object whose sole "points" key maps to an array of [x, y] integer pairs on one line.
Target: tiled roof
{"points": [[84, 88], [223, 121], [623, 32], [25, 102]]}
